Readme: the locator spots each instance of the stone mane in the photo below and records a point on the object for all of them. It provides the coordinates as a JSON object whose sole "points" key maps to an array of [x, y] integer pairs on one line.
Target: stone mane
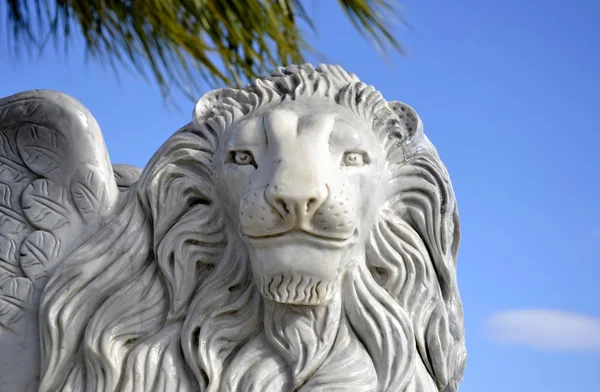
{"points": [[170, 292], [221, 108]]}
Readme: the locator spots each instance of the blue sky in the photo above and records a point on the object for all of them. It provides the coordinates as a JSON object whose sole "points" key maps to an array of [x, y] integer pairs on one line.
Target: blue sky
{"points": [[508, 92]]}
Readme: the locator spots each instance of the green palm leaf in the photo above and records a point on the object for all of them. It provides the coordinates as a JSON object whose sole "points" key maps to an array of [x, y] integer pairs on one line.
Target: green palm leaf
{"points": [[187, 42]]}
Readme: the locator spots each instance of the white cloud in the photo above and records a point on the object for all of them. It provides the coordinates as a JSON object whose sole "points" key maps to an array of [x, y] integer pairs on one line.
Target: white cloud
{"points": [[546, 329]]}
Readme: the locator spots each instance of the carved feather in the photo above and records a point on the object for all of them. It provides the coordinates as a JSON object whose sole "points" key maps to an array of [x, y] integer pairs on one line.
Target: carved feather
{"points": [[56, 188]]}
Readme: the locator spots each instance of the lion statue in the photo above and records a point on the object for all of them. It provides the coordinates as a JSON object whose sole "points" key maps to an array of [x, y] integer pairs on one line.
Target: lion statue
{"points": [[300, 234]]}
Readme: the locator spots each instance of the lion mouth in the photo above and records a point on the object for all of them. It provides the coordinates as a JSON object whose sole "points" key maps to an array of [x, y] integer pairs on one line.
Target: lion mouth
{"points": [[299, 234]]}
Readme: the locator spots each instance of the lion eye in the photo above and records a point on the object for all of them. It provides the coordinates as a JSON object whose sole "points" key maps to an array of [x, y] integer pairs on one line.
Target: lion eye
{"points": [[242, 158], [355, 159]]}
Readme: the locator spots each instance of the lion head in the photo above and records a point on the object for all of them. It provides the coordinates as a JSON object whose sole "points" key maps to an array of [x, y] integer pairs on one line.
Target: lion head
{"points": [[300, 234]]}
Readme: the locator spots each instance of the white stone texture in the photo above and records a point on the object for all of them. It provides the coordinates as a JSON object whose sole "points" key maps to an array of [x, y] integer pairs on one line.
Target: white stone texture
{"points": [[300, 234]]}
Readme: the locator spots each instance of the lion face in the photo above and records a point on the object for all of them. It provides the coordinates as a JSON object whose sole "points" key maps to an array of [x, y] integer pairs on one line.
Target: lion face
{"points": [[302, 181], [303, 184]]}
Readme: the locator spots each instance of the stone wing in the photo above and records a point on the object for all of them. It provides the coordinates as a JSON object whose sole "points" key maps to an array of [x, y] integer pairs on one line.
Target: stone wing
{"points": [[57, 188]]}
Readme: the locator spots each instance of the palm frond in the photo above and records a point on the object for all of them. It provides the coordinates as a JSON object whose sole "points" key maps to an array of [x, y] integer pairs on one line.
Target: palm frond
{"points": [[184, 43]]}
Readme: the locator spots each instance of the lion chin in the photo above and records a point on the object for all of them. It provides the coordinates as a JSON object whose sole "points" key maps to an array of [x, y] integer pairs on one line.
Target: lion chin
{"points": [[300, 234], [297, 268]]}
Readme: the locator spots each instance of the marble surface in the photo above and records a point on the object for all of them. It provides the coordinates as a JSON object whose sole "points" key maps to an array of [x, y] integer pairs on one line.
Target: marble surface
{"points": [[299, 234]]}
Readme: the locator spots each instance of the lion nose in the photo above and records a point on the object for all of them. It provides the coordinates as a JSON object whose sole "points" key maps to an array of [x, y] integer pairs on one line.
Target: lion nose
{"points": [[298, 204]]}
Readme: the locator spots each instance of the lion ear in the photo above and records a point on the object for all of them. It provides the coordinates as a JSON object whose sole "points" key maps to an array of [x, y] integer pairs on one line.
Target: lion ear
{"points": [[206, 105], [411, 126]]}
